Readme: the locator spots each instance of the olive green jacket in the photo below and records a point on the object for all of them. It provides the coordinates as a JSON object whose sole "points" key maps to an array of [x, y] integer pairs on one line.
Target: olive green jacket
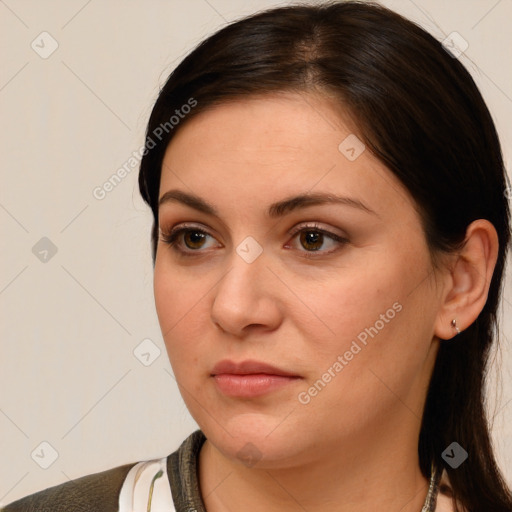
{"points": [[100, 492]]}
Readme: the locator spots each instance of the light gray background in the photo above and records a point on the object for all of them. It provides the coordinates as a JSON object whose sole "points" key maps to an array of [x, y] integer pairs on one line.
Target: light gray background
{"points": [[69, 326]]}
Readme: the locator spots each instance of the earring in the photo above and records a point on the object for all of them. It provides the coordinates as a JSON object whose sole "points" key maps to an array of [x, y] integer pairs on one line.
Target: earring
{"points": [[454, 325]]}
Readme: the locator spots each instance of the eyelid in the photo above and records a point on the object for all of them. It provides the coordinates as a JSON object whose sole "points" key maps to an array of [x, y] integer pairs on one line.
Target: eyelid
{"points": [[313, 226]]}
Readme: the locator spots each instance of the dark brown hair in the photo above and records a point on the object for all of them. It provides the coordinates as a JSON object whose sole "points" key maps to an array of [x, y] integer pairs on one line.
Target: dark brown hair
{"points": [[419, 111]]}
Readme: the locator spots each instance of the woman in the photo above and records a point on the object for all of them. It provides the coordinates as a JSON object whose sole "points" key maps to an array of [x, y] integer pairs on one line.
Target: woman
{"points": [[330, 234]]}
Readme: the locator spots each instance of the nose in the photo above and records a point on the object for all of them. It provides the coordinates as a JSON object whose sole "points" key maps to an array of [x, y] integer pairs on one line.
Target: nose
{"points": [[247, 297]]}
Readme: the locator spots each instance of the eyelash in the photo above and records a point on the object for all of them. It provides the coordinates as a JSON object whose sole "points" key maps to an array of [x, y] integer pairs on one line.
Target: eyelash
{"points": [[171, 240]]}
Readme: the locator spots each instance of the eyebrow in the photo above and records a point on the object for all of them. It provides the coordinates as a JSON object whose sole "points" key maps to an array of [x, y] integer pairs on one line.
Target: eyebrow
{"points": [[275, 210]]}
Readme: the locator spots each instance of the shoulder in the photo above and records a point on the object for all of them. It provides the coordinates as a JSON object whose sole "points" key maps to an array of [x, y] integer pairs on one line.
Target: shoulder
{"points": [[99, 491], [126, 485]]}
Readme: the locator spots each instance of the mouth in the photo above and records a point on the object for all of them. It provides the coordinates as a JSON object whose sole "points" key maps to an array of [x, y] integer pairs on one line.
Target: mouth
{"points": [[250, 378]]}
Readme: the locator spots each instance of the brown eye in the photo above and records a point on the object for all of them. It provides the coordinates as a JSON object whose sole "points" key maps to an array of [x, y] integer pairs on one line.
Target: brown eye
{"points": [[312, 239], [194, 239]]}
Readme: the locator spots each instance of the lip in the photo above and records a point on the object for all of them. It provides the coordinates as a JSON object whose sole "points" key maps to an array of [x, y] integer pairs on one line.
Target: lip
{"points": [[248, 367], [249, 379]]}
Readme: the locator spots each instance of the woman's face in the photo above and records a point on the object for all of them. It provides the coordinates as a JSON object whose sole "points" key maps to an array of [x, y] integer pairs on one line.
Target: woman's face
{"points": [[338, 295]]}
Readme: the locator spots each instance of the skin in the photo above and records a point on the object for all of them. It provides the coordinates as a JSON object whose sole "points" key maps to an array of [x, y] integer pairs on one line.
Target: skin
{"points": [[353, 446]]}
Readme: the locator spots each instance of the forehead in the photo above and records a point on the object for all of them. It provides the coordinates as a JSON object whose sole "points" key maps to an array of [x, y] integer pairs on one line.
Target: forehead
{"points": [[274, 146], [288, 123]]}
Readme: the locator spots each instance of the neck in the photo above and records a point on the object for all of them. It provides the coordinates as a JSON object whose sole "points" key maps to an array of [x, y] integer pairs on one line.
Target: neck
{"points": [[378, 471]]}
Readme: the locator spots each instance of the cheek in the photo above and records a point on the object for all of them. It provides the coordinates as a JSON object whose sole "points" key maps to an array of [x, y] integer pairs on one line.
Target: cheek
{"points": [[380, 318], [350, 302], [369, 314], [178, 304], [167, 291], [177, 292]]}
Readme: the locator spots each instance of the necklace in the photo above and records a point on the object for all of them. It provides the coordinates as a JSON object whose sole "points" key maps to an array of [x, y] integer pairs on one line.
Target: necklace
{"points": [[433, 489]]}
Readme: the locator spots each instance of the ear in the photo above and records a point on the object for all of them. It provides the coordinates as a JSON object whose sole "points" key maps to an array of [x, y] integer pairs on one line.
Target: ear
{"points": [[468, 280]]}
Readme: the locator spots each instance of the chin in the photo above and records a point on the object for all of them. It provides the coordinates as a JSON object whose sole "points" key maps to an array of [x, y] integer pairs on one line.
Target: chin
{"points": [[254, 440]]}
